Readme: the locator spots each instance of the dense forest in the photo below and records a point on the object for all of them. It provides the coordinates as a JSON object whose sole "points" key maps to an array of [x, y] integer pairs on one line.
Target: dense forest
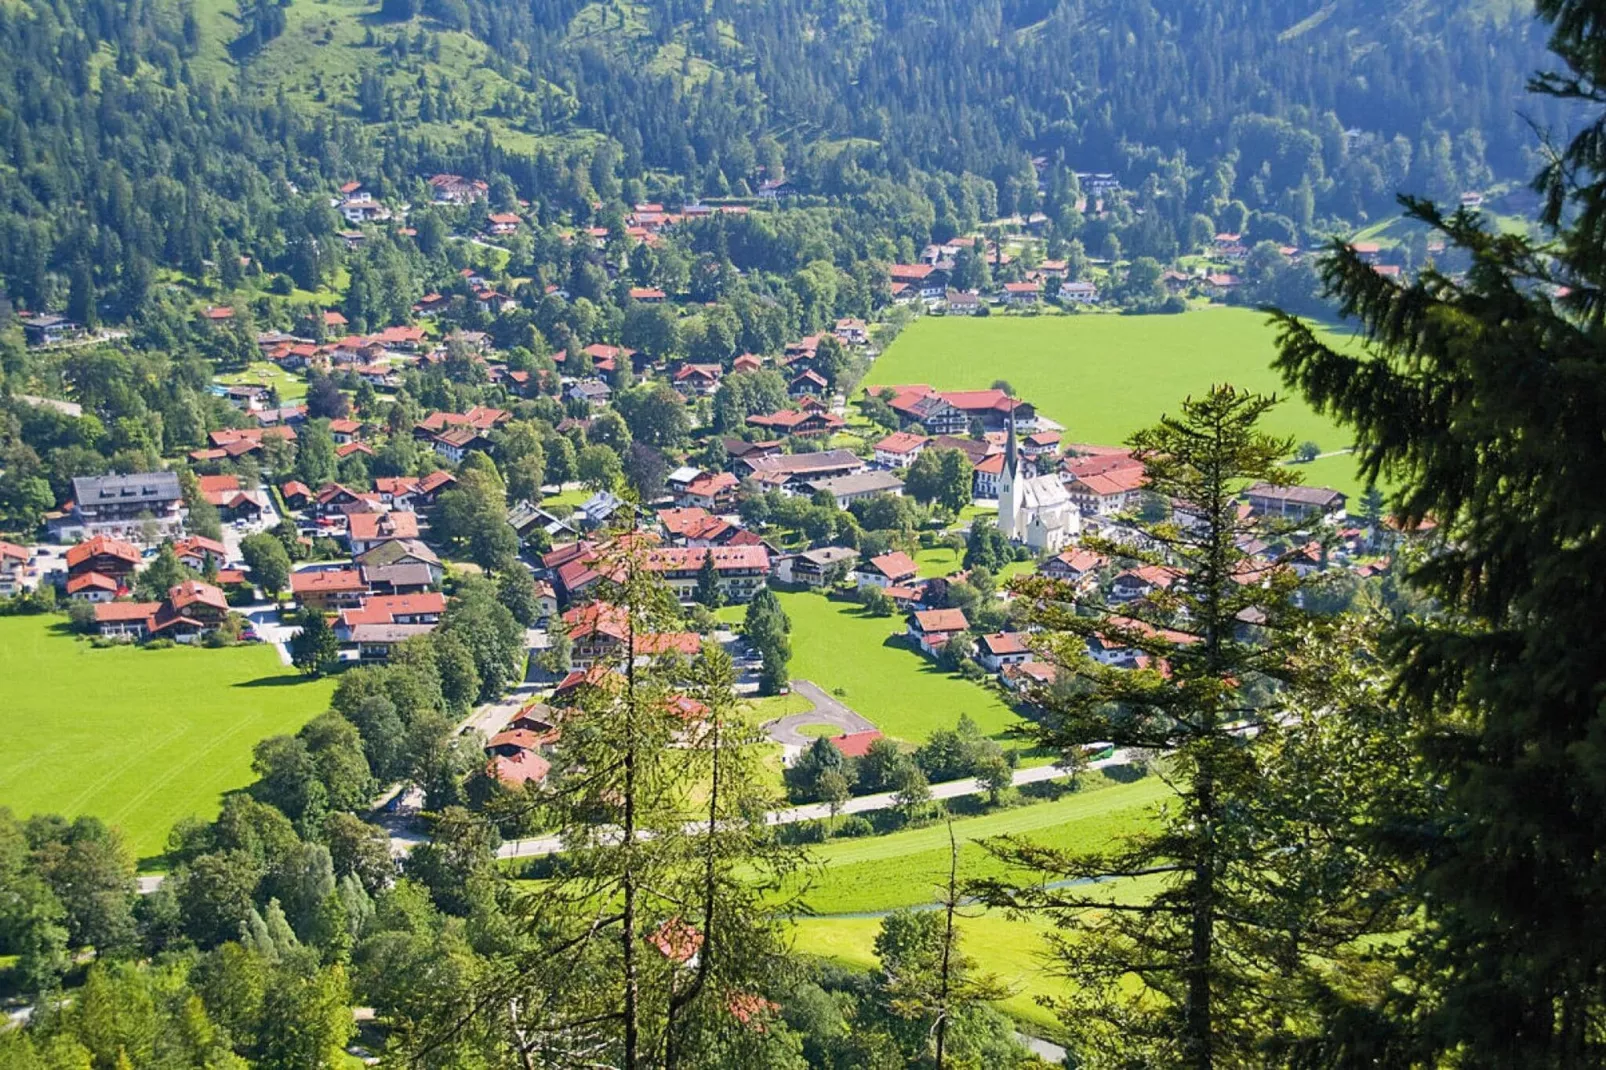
{"points": [[143, 137]]}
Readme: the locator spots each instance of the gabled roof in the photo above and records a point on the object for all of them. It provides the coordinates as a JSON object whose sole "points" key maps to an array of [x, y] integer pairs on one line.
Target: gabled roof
{"points": [[1002, 644], [366, 527], [102, 545], [894, 565], [194, 592], [97, 580], [941, 620], [856, 744], [322, 580], [902, 442]]}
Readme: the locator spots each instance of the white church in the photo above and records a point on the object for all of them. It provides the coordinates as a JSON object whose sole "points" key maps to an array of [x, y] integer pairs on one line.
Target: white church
{"points": [[1038, 510]]}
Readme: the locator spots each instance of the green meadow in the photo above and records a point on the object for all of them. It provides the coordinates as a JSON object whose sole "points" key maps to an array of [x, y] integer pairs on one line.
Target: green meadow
{"points": [[1104, 376], [838, 646], [140, 738], [854, 882]]}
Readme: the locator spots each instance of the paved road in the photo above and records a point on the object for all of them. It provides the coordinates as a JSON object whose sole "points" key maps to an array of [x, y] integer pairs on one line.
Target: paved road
{"points": [[403, 838], [951, 789], [826, 710]]}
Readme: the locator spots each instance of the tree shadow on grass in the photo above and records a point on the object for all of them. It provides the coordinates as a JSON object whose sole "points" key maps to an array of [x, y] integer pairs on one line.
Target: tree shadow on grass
{"points": [[283, 680]]}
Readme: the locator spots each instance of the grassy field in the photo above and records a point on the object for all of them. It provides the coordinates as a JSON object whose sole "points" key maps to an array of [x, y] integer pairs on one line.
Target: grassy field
{"points": [[836, 645], [907, 868], [859, 879], [1105, 376], [292, 388], [1012, 951], [138, 737]]}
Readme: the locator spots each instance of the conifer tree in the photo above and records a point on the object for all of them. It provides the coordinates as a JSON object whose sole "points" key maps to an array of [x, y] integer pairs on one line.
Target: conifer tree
{"points": [[1481, 397], [1220, 682]]}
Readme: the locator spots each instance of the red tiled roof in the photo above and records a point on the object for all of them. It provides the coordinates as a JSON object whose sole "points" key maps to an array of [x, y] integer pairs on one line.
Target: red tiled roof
{"points": [[11, 549], [310, 581], [369, 526], [194, 592], [97, 580], [210, 485], [1119, 481], [941, 620], [901, 442], [200, 544], [856, 744], [523, 768], [102, 544], [895, 565], [682, 521], [683, 558], [999, 644], [707, 486], [385, 608], [116, 612]]}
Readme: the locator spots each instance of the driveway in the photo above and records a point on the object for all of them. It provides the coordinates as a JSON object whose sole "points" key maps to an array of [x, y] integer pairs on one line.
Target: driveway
{"points": [[269, 624], [827, 710]]}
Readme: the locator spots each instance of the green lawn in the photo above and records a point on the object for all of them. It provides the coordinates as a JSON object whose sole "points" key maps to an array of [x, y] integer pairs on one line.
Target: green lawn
{"points": [[292, 388], [836, 645], [138, 737], [1012, 951], [566, 500], [907, 868], [859, 878], [1105, 376]]}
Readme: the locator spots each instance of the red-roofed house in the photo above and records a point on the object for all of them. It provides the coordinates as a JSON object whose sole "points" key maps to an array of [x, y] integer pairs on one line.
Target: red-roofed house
{"points": [[1076, 567], [502, 223], [710, 491], [328, 589], [889, 570], [931, 629], [803, 423], [517, 770], [91, 587], [681, 522], [105, 555], [1003, 648], [196, 551], [739, 571], [13, 565], [899, 449], [1109, 492], [367, 530], [855, 744]]}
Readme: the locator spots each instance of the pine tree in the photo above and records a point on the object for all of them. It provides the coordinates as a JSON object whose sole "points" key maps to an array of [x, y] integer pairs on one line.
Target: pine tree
{"points": [[655, 921], [1210, 937], [314, 649], [1480, 398], [707, 592]]}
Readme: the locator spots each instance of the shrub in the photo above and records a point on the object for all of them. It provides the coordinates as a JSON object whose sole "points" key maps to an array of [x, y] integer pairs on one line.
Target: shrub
{"points": [[853, 826], [802, 832]]}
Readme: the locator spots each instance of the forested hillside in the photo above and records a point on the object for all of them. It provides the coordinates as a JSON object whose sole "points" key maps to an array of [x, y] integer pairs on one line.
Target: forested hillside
{"points": [[144, 136]]}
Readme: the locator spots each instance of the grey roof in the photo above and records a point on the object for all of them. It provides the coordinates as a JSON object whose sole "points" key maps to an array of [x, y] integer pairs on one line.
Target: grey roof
{"points": [[1297, 494], [860, 483], [601, 505], [804, 463], [392, 551], [137, 487], [406, 574], [388, 633], [826, 556], [522, 516]]}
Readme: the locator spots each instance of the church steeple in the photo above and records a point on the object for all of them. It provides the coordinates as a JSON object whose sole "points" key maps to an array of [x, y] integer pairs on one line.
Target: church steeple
{"points": [[1009, 484], [1011, 460]]}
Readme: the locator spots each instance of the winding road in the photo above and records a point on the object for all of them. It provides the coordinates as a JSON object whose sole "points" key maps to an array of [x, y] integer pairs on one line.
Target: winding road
{"points": [[826, 710]]}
